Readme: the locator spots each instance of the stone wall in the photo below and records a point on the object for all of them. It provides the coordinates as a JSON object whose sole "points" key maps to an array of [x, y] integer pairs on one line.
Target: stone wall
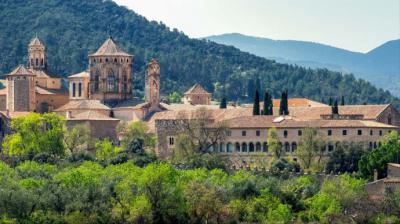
{"points": [[393, 170], [3, 102], [390, 116], [99, 129], [164, 130]]}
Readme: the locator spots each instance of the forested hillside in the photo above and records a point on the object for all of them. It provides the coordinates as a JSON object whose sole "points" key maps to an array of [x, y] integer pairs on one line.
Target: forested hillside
{"points": [[72, 29]]}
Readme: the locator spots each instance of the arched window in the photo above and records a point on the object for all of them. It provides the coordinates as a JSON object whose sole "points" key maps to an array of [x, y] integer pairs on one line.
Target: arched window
{"points": [[115, 60], [294, 146], [111, 86], [258, 147], [73, 89], [237, 147], [287, 147], [80, 89], [221, 147], [37, 61], [96, 82], [265, 147], [42, 62], [251, 147], [229, 147], [244, 147]]}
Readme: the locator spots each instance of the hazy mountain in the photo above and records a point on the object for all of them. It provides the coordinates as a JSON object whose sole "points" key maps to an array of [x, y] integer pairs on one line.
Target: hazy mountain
{"points": [[381, 65], [73, 29]]}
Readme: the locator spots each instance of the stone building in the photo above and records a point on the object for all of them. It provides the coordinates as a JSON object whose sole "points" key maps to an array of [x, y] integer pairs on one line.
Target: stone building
{"points": [[33, 88], [247, 134], [378, 188], [197, 95], [110, 71]]}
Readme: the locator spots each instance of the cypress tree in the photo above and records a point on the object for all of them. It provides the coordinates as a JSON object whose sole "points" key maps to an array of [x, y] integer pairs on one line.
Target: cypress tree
{"points": [[335, 108], [330, 101], [256, 106], [266, 106], [342, 102], [285, 108], [271, 105], [282, 104], [222, 105]]}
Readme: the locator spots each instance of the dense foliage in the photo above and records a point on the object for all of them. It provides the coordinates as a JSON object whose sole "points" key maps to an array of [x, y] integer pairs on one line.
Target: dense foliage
{"points": [[73, 29]]}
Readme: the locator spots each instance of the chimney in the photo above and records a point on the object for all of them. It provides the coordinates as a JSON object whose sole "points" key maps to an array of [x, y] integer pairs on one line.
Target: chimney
{"points": [[375, 175], [68, 115]]}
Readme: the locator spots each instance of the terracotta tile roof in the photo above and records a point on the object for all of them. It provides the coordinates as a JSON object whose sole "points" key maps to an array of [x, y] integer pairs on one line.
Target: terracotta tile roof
{"points": [[84, 74], [83, 105], [20, 70], [292, 122], [293, 102], [109, 48], [91, 115], [196, 89], [15, 114]]}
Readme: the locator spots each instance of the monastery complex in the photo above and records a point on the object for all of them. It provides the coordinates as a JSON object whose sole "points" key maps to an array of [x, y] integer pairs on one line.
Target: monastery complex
{"points": [[102, 97]]}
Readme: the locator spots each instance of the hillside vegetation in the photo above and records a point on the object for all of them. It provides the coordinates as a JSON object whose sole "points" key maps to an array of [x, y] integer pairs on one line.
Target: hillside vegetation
{"points": [[72, 29]]}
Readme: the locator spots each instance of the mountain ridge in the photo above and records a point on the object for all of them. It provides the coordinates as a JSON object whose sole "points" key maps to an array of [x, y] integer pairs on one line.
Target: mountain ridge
{"points": [[378, 65]]}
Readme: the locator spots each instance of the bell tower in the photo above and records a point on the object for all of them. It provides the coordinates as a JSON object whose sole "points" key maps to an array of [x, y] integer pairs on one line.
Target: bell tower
{"points": [[152, 88], [37, 54]]}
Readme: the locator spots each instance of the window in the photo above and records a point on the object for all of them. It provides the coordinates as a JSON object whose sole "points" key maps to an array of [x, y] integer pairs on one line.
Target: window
{"points": [[42, 62], [344, 132], [111, 83], [96, 82], [371, 132], [237, 147], [258, 133], [265, 147], [251, 147], [80, 89], [294, 146], [171, 141], [73, 89], [37, 61], [380, 132], [228, 133], [244, 133], [329, 132], [125, 83], [285, 133], [258, 147], [287, 147], [359, 132], [330, 148], [300, 132], [244, 147]]}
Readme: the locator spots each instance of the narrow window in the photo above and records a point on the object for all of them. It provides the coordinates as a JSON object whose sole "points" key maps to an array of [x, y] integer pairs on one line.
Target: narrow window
{"points": [[344, 132], [258, 133], [371, 132], [80, 89], [380, 132], [285, 133], [244, 133], [171, 141], [73, 89], [359, 132], [329, 132]]}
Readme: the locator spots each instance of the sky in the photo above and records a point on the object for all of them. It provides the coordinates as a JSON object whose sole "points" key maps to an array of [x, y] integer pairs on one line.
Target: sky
{"points": [[357, 25]]}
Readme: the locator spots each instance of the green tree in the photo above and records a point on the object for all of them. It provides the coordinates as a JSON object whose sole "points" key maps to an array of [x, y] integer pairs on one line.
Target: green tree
{"points": [[174, 97], [274, 144], [342, 102], [34, 134], [105, 149], [311, 147], [345, 158], [136, 137], [223, 103], [77, 138], [256, 105], [268, 106], [377, 159]]}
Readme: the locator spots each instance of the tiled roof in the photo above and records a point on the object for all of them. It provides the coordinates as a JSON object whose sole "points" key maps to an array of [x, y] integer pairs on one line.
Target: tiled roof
{"points": [[42, 73], [293, 122], [91, 115], [109, 48], [15, 114], [83, 105], [84, 74], [3, 91], [196, 89], [20, 70]]}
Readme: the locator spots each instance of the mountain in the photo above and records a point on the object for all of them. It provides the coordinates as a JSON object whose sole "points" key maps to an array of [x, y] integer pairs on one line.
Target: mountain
{"points": [[381, 66], [73, 29]]}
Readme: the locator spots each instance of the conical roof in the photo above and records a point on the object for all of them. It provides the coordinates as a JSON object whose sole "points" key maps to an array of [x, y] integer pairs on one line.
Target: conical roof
{"points": [[197, 89], [36, 41], [109, 48], [20, 70]]}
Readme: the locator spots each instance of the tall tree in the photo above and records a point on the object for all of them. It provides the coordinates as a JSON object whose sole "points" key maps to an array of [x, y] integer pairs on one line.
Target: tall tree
{"points": [[330, 101], [256, 106], [335, 108], [268, 106], [265, 106], [284, 105], [342, 102], [223, 105], [274, 144], [310, 147]]}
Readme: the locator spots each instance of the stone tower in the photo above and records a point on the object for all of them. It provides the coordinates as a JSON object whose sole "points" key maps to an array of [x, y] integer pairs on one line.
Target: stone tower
{"points": [[21, 90], [152, 88], [110, 71], [37, 54]]}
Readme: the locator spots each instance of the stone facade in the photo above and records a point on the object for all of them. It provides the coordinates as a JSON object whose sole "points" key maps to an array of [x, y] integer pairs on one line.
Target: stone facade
{"points": [[110, 74], [197, 95], [167, 132], [378, 188], [21, 90]]}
